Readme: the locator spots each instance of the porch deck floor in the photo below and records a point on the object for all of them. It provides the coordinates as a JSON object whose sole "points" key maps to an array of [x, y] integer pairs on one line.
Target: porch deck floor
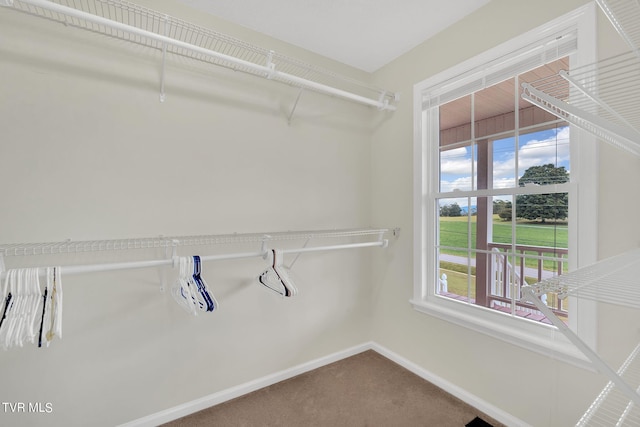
{"points": [[537, 317]]}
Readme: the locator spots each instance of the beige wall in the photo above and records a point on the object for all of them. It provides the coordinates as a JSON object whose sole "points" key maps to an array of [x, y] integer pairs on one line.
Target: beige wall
{"points": [[532, 387], [87, 151]]}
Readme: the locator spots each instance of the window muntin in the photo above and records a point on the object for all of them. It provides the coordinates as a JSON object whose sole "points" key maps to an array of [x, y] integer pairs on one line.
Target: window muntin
{"points": [[502, 231]]}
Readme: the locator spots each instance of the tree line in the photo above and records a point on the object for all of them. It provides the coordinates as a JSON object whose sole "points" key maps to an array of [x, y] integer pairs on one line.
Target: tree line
{"points": [[540, 207]]}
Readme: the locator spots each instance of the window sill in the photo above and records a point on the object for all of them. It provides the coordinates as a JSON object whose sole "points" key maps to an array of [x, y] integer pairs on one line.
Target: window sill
{"points": [[540, 338]]}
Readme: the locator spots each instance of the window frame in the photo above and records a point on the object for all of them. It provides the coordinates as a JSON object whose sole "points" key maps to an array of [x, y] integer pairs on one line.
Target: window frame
{"points": [[583, 184]]}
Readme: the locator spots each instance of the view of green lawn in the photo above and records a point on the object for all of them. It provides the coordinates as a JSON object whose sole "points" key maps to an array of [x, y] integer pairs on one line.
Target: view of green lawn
{"points": [[454, 233]]}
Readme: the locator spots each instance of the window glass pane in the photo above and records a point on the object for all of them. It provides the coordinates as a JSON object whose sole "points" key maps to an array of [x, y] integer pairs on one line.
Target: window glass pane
{"points": [[538, 250], [456, 158], [541, 211], [543, 156], [457, 223], [494, 110], [542, 240], [502, 286], [455, 122], [457, 231], [456, 165], [456, 279], [494, 120], [502, 226], [504, 162], [542, 140]]}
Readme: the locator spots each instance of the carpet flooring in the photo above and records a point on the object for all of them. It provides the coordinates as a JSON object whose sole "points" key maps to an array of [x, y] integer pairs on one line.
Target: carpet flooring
{"points": [[365, 390]]}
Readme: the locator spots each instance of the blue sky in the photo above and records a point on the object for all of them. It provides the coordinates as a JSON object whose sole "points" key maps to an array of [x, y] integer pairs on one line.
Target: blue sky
{"points": [[535, 149]]}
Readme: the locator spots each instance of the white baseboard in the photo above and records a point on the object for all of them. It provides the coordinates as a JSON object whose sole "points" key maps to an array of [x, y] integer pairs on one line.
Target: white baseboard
{"points": [[242, 389], [471, 399], [231, 393]]}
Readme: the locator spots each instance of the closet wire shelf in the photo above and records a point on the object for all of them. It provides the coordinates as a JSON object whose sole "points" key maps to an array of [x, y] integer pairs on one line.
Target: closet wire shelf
{"points": [[612, 407], [69, 246], [127, 21], [358, 238], [624, 15], [602, 98], [614, 281]]}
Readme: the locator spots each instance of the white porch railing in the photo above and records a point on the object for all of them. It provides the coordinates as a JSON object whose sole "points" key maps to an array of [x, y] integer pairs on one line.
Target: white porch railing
{"points": [[506, 279]]}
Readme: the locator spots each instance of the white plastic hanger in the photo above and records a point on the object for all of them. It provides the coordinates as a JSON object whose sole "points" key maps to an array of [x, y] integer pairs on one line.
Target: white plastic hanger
{"points": [[7, 300], [55, 301], [207, 301], [21, 305], [29, 314], [276, 277], [45, 319], [181, 290], [9, 315], [190, 290], [36, 295]]}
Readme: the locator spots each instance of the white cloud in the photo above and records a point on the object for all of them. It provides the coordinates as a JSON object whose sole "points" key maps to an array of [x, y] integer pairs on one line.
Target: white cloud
{"points": [[455, 162], [456, 165], [551, 150], [504, 182], [504, 170], [554, 150], [463, 184]]}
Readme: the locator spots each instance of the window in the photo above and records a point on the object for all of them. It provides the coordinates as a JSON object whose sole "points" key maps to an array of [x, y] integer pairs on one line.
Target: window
{"points": [[502, 199], [497, 195]]}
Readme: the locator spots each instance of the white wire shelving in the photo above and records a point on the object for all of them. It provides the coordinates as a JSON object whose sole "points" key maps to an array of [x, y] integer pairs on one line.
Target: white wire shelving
{"points": [[624, 15], [614, 281], [127, 21], [612, 407], [347, 239], [602, 98], [21, 283], [69, 246]]}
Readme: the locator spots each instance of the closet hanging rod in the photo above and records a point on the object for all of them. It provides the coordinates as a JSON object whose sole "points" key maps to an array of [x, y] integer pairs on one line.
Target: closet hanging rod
{"points": [[95, 268], [267, 70], [69, 246]]}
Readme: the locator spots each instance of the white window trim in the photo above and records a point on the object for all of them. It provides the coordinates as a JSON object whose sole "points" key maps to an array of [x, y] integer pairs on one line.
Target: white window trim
{"points": [[537, 337]]}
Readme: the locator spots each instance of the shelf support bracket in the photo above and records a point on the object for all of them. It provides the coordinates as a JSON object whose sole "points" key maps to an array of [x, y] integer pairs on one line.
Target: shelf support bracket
{"points": [[396, 232], [170, 252], [295, 104], [306, 242], [383, 102], [270, 66], [164, 58]]}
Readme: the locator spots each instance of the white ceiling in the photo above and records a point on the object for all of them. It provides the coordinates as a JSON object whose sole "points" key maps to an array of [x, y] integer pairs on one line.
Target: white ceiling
{"points": [[366, 34]]}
